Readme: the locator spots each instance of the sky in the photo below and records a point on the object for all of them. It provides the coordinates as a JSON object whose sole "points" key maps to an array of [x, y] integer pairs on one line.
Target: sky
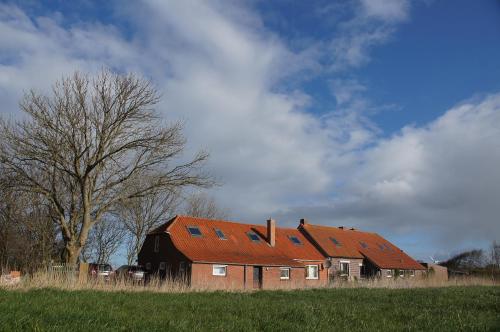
{"points": [[378, 114]]}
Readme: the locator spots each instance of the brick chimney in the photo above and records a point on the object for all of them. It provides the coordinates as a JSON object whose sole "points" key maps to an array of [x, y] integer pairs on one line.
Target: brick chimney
{"points": [[341, 227], [271, 232]]}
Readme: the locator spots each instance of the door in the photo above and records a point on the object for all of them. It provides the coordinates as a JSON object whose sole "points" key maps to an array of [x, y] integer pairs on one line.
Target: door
{"points": [[257, 276]]}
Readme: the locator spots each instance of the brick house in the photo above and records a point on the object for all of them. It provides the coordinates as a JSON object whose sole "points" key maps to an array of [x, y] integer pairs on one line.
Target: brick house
{"points": [[354, 254], [222, 254]]}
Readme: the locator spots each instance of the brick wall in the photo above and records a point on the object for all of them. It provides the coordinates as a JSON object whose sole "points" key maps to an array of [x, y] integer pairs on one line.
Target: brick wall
{"points": [[202, 278], [354, 267]]}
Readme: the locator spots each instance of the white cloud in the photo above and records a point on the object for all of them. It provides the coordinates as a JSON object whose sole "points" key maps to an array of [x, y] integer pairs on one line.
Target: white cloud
{"points": [[218, 68], [439, 182]]}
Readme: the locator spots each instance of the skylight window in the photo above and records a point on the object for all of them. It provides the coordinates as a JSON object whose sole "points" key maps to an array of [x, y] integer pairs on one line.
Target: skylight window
{"points": [[335, 241], [295, 240], [381, 246], [387, 247], [363, 244], [254, 237], [194, 231], [220, 234]]}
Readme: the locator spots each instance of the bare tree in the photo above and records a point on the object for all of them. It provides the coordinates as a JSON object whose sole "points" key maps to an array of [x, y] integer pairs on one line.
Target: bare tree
{"points": [[104, 240], [495, 254], [142, 214], [199, 204], [27, 233], [82, 146]]}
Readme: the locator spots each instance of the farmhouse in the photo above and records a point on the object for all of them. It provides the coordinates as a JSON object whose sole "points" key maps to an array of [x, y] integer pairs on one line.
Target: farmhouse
{"points": [[222, 254], [355, 254]]}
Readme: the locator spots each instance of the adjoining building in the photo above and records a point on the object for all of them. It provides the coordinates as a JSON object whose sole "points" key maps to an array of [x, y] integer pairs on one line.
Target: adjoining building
{"points": [[355, 254], [221, 254]]}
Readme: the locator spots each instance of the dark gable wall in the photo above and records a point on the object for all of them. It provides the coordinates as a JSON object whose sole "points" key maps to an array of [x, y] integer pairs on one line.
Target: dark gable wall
{"points": [[167, 253]]}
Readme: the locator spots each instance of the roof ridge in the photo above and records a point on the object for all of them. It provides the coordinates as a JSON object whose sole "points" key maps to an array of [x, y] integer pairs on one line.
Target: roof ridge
{"points": [[233, 222]]}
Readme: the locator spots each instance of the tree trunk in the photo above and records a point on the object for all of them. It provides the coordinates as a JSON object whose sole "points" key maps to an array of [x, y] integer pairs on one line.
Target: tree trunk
{"points": [[71, 253]]}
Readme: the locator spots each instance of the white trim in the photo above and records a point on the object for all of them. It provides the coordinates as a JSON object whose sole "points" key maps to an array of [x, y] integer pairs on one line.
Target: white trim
{"points": [[283, 269], [348, 268], [215, 266], [317, 272]]}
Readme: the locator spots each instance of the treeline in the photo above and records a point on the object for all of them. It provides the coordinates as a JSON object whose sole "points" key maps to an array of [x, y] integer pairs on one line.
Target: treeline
{"points": [[92, 167], [479, 262]]}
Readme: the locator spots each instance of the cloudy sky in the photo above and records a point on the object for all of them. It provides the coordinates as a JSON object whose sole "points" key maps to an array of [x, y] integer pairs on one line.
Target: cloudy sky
{"points": [[377, 114]]}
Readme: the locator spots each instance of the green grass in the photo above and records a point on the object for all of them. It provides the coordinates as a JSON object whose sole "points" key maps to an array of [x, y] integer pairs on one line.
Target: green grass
{"points": [[439, 309]]}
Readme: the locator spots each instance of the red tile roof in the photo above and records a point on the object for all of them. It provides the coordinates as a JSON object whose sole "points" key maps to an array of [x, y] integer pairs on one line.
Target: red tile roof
{"points": [[354, 243], [238, 248]]}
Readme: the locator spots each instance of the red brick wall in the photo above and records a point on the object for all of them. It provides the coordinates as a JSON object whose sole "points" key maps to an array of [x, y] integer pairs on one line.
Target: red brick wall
{"points": [[354, 269], [202, 278]]}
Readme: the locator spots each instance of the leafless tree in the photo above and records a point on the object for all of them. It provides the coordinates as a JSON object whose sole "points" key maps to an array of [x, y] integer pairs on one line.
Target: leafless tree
{"points": [[27, 233], [82, 146], [495, 254], [199, 204], [142, 214], [104, 240]]}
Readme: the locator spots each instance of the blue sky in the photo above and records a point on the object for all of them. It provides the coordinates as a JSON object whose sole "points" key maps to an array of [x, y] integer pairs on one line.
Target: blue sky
{"points": [[383, 115]]}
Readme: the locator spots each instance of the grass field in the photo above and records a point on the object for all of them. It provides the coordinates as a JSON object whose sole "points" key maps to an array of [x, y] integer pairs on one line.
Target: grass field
{"points": [[450, 309]]}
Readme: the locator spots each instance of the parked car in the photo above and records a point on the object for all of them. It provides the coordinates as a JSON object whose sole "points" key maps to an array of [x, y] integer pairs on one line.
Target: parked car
{"points": [[104, 271], [131, 272]]}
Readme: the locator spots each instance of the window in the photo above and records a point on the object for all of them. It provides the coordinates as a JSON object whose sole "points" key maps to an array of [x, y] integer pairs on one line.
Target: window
{"points": [[284, 273], [311, 271], [254, 237], [389, 273], [412, 273], [219, 270], [402, 273], [344, 268], [381, 247], [335, 241], [162, 266], [220, 234], [148, 266], [157, 243], [363, 244], [295, 240], [194, 231], [387, 247]]}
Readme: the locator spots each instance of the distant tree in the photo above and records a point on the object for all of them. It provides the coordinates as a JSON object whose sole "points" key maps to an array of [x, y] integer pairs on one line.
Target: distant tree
{"points": [[81, 147], [201, 205], [495, 254], [27, 233], [105, 238], [142, 214], [466, 260]]}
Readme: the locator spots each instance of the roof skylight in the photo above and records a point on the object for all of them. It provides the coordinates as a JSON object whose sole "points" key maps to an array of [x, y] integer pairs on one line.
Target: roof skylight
{"points": [[295, 240], [220, 234], [254, 237], [194, 231], [335, 241]]}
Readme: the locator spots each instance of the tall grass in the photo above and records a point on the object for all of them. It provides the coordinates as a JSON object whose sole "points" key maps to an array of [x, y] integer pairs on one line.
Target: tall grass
{"points": [[69, 280]]}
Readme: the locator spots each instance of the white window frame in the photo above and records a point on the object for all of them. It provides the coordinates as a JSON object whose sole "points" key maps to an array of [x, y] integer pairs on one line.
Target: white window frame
{"points": [[401, 273], [412, 273], [308, 277], [157, 243], [389, 273], [285, 269], [216, 266], [348, 268]]}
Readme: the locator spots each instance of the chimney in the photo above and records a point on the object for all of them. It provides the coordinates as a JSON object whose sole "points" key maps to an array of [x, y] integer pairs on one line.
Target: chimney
{"points": [[341, 227], [271, 232], [303, 221]]}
